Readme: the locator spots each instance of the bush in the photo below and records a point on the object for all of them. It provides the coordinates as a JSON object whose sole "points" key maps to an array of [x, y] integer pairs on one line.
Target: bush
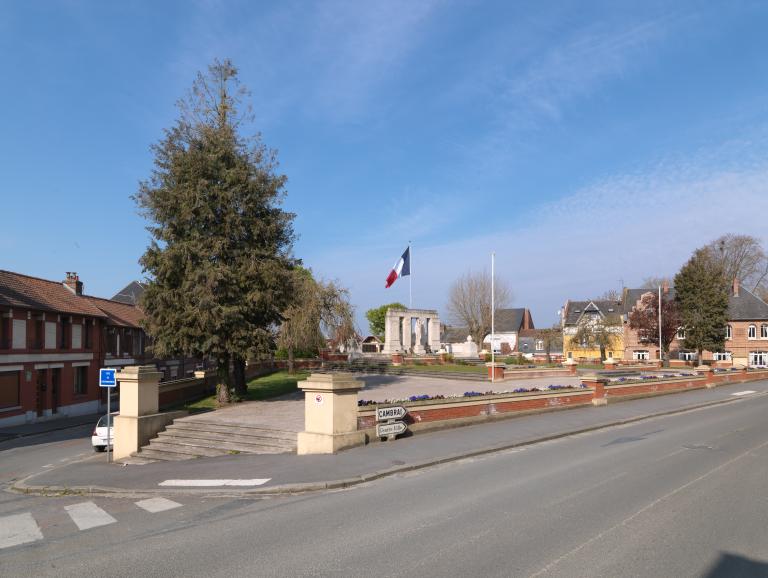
{"points": [[282, 353]]}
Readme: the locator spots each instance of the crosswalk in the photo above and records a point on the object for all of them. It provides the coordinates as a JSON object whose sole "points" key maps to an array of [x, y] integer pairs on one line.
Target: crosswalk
{"points": [[22, 528]]}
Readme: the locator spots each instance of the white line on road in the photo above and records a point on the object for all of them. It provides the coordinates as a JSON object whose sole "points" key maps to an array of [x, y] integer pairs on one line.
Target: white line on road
{"points": [[154, 505], [747, 392], [206, 483], [18, 529], [88, 515]]}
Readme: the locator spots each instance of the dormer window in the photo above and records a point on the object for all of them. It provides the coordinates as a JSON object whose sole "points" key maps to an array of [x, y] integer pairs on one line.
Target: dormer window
{"points": [[752, 332]]}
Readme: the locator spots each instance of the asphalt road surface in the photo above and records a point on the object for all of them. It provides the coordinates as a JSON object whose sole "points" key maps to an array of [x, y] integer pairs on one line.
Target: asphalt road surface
{"points": [[681, 495]]}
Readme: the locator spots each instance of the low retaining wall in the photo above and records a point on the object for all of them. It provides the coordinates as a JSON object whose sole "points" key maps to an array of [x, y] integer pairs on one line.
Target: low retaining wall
{"points": [[437, 413], [443, 413], [180, 390]]}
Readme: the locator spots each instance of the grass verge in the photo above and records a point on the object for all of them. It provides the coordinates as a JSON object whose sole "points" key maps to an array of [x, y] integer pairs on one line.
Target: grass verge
{"points": [[264, 387]]}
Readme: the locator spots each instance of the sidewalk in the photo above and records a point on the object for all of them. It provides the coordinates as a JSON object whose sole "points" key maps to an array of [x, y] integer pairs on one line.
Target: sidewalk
{"points": [[289, 473], [32, 429]]}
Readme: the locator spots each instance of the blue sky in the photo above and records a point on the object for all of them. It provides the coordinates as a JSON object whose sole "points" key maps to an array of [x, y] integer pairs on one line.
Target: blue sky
{"points": [[585, 143]]}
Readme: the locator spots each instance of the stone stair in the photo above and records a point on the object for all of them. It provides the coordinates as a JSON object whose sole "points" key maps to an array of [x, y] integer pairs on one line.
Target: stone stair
{"points": [[189, 438]]}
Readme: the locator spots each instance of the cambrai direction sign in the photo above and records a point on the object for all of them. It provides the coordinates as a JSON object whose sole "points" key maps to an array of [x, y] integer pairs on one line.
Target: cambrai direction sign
{"points": [[387, 413], [390, 429]]}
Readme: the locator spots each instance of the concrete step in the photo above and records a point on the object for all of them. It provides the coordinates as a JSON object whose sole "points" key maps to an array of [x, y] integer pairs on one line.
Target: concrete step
{"points": [[163, 455], [223, 441], [230, 436], [231, 429], [195, 451]]}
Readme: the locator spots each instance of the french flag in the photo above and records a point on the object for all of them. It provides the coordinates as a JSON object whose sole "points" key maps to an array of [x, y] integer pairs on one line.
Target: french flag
{"points": [[401, 268]]}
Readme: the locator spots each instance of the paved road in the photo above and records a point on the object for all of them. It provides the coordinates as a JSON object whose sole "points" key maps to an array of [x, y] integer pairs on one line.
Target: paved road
{"points": [[682, 495]]}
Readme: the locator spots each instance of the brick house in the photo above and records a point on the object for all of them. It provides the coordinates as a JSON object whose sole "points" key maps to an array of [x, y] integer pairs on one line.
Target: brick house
{"points": [[746, 341], [53, 340]]}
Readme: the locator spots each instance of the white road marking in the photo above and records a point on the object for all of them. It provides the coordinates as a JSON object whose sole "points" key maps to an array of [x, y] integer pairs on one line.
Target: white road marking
{"points": [[747, 392], [48, 466], [88, 515], [205, 483], [154, 505], [18, 529]]}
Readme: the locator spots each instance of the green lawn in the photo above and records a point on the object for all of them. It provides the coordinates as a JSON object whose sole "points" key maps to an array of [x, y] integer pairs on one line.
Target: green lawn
{"points": [[265, 387], [454, 367]]}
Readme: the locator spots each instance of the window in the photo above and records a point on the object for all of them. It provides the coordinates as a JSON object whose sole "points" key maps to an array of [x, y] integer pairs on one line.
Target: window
{"points": [[764, 331], [728, 332], [38, 334], [5, 332], [758, 358], [688, 355], [50, 335], [723, 356], [570, 355], [19, 334], [640, 355], [77, 336], [539, 345], [9, 388], [680, 333], [752, 332], [81, 380], [65, 330]]}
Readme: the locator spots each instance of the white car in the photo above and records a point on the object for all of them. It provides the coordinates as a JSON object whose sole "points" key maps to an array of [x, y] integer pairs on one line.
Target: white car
{"points": [[99, 436]]}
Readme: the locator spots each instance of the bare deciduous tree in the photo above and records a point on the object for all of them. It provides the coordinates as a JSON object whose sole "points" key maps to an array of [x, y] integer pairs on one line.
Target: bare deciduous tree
{"points": [[742, 257], [469, 302], [655, 282]]}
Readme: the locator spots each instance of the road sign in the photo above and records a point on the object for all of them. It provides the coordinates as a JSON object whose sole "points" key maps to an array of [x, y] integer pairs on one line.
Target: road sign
{"points": [[387, 413], [390, 429], [107, 378]]}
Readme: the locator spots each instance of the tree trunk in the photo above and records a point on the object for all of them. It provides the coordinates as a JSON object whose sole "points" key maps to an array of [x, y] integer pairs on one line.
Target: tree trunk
{"points": [[291, 369], [223, 393], [238, 369], [602, 353]]}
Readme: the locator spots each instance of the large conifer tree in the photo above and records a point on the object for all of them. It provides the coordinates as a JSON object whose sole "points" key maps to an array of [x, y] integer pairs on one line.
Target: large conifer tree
{"points": [[219, 265], [702, 294]]}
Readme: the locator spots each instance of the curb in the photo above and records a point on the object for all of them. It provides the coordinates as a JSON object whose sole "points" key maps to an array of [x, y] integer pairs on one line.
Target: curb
{"points": [[305, 487]]}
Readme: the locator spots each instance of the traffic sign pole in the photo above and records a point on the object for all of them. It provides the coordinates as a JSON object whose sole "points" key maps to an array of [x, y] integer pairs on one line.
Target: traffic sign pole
{"points": [[109, 417], [108, 381]]}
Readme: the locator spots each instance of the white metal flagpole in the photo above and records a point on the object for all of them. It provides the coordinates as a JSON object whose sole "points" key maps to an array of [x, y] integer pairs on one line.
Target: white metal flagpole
{"points": [[493, 317], [410, 276], [661, 351]]}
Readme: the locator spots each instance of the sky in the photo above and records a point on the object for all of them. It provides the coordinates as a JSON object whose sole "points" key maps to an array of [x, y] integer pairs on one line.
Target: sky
{"points": [[588, 144]]}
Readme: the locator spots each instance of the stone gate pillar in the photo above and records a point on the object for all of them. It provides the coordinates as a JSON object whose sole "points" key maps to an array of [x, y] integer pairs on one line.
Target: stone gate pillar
{"points": [[330, 414]]}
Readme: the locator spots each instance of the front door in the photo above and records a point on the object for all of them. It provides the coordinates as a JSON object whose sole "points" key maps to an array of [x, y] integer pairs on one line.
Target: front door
{"points": [[55, 390], [42, 390]]}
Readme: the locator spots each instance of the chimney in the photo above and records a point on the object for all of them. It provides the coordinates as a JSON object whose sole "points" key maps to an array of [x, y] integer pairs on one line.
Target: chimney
{"points": [[735, 286], [665, 286], [73, 283]]}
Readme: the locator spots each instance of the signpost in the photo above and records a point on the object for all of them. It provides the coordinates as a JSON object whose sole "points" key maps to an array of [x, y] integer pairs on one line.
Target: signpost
{"points": [[391, 425], [108, 380], [390, 429]]}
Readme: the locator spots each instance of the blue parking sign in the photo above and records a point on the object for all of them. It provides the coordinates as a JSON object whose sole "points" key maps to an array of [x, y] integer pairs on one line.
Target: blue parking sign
{"points": [[107, 378]]}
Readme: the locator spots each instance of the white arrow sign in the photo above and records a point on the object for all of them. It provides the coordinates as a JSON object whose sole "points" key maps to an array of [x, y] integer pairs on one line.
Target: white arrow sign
{"points": [[390, 429], [387, 413]]}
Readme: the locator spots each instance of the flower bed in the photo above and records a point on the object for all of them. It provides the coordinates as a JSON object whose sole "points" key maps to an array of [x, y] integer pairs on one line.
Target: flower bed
{"points": [[425, 397]]}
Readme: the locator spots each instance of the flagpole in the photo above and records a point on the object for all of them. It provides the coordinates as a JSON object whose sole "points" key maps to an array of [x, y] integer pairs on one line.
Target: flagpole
{"points": [[661, 351], [493, 318], [410, 277]]}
